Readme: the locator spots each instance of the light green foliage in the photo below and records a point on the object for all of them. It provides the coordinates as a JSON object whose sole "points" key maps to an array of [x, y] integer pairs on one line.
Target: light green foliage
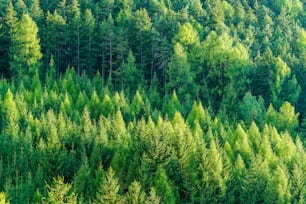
{"points": [[108, 191], [136, 107], [135, 195], [25, 48], [160, 101], [301, 39], [187, 35], [278, 187], [60, 192], [286, 119], [35, 11], [2, 199], [152, 198]]}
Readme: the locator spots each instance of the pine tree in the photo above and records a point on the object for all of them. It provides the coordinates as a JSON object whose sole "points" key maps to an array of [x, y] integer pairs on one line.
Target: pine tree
{"points": [[108, 41], [132, 78], [25, 48], [87, 59], [163, 187], [36, 12], [74, 25], [8, 29], [21, 8], [152, 198], [59, 192], [181, 78], [135, 195], [2, 199], [108, 191]]}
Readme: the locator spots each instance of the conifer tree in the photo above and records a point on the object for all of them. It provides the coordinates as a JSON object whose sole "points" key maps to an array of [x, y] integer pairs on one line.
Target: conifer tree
{"points": [[163, 187], [25, 48], [108, 191], [2, 199], [135, 195], [87, 35], [60, 192], [181, 78], [7, 31]]}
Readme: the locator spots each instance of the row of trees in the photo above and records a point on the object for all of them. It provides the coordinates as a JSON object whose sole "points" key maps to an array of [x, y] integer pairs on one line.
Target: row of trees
{"points": [[213, 51], [108, 149]]}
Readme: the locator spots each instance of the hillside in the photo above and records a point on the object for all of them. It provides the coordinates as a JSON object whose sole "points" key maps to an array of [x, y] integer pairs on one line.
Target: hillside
{"points": [[153, 101]]}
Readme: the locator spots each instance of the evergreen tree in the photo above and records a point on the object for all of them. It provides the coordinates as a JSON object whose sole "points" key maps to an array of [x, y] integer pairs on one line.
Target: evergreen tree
{"points": [[181, 79], [60, 192], [2, 199], [163, 187], [87, 41], [109, 188], [25, 48], [135, 195], [131, 76], [8, 29]]}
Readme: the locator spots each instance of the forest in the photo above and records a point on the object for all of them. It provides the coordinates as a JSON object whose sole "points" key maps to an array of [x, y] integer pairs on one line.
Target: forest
{"points": [[152, 101]]}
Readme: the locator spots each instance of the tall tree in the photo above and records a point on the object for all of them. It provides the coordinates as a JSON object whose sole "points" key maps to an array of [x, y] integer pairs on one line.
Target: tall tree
{"points": [[108, 191], [87, 59], [8, 29], [25, 48], [181, 78]]}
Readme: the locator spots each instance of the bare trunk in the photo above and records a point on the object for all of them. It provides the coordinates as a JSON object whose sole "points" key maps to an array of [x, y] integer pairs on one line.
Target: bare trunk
{"points": [[110, 62]]}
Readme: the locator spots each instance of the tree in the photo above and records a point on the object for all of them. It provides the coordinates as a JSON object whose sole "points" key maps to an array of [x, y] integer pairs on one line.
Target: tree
{"points": [[25, 48], [60, 192], [187, 35], [301, 40], [73, 19], [108, 191], [278, 76], [2, 199], [55, 41], [36, 12], [107, 30], [87, 41], [278, 187], [132, 78], [135, 195], [181, 78], [285, 120], [152, 198], [142, 27], [163, 187], [8, 29], [21, 7], [252, 109]]}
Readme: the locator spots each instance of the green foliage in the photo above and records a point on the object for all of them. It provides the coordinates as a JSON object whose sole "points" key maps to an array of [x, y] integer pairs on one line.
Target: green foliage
{"points": [[160, 101], [286, 119], [252, 109], [108, 191], [163, 187], [60, 192], [25, 49], [2, 199]]}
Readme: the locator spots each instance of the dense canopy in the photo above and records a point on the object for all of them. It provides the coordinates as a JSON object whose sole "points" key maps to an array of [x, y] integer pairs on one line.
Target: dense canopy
{"points": [[152, 101]]}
